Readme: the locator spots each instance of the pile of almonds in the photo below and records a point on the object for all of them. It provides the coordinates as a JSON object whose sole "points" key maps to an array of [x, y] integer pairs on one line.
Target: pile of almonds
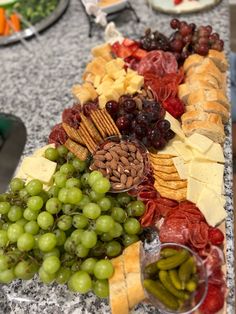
{"points": [[121, 162]]}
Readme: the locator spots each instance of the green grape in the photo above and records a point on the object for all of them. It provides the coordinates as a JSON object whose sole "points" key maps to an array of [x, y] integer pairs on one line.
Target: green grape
{"points": [[23, 194], [129, 239], [63, 195], [95, 197], [80, 221], [117, 231], [3, 197], [88, 265], [15, 213], [35, 203], [102, 185], [92, 211], [25, 242], [84, 180], [89, 239], [51, 264], [25, 270], [84, 201], [64, 222], [101, 288], [132, 226], [73, 182], [14, 232], [74, 196], [22, 222], [113, 249], [68, 259], [70, 246], [36, 241], [46, 277], [81, 251], [44, 196], [60, 236], [31, 227], [70, 156], [62, 150], [3, 238], [76, 266], [4, 262], [4, 208], [105, 223], [53, 252], [7, 276], [136, 208], [103, 269], [53, 205], [30, 214], [6, 225], [106, 237], [67, 169], [34, 187], [80, 282], [51, 154], [53, 191], [45, 220], [79, 165], [123, 199], [17, 184], [104, 203], [119, 214], [93, 177], [68, 209], [98, 250], [47, 242], [60, 179], [76, 235], [63, 275]]}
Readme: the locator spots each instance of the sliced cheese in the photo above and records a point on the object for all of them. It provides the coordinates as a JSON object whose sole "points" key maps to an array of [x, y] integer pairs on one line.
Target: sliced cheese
{"points": [[175, 126], [39, 168], [210, 204], [183, 151], [215, 153], [194, 189], [41, 151], [207, 172], [199, 142], [180, 167], [216, 188]]}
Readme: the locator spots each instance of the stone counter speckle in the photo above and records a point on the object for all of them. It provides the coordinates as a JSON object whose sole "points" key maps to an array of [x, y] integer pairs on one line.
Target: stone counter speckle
{"points": [[36, 86]]}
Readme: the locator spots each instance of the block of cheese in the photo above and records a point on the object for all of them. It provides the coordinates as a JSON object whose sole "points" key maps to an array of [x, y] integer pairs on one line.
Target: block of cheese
{"points": [[207, 172], [175, 125], [183, 150], [180, 167], [194, 189], [40, 151], [39, 168], [199, 142], [210, 204]]}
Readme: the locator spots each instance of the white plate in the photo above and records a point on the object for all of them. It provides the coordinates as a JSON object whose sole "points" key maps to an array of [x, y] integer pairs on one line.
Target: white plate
{"points": [[114, 7], [167, 6]]}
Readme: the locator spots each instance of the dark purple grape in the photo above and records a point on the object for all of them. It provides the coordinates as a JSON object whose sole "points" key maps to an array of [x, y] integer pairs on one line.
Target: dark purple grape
{"points": [[142, 118], [185, 30], [134, 124], [187, 39], [184, 54], [129, 105], [153, 134], [112, 107], [129, 116], [193, 26], [163, 125], [174, 23], [140, 131], [153, 116], [146, 142], [209, 29], [123, 123], [159, 144], [169, 135], [202, 50], [176, 45]]}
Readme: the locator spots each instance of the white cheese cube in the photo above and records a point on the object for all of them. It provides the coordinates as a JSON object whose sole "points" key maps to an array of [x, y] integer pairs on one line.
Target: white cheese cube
{"points": [[199, 142]]}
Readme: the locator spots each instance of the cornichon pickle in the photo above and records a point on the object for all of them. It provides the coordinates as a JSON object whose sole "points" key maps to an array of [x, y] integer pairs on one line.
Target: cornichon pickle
{"points": [[191, 285], [167, 283], [174, 277], [173, 261], [151, 269], [168, 252], [159, 292], [186, 269]]}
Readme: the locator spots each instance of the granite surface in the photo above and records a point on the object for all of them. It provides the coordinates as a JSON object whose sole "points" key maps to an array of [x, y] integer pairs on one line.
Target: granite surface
{"points": [[36, 82]]}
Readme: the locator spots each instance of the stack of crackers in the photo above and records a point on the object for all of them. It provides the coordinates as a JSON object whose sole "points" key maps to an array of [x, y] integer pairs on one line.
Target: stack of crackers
{"points": [[167, 180], [90, 133]]}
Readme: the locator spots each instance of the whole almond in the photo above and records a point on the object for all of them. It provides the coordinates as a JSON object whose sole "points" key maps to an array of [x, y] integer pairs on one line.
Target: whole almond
{"points": [[101, 152], [130, 158], [139, 103], [118, 186], [99, 157], [136, 180], [122, 152], [116, 173], [124, 160], [133, 172], [127, 172], [132, 148], [114, 179], [108, 156], [133, 155], [108, 170], [99, 164], [139, 156], [108, 145], [120, 168], [124, 147], [113, 164], [114, 155], [129, 182], [123, 178], [136, 162]]}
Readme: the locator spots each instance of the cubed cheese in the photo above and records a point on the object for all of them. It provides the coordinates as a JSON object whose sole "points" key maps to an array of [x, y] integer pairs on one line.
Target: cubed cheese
{"points": [[119, 87], [194, 189], [211, 206], [97, 81], [120, 73], [102, 100], [175, 125], [130, 90], [199, 142], [39, 168], [136, 82], [111, 94], [180, 167], [183, 151]]}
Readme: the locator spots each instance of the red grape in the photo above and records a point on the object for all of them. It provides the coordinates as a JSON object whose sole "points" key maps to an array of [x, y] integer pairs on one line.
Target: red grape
{"points": [[123, 123], [209, 29], [176, 45], [169, 135], [175, 23], [140, 131], [177, 35], [203, 40], [112, 107], [193, 26], [187, 39], [202, 50], [163, 125], [129, 105], [185, 30], [159, 144]]}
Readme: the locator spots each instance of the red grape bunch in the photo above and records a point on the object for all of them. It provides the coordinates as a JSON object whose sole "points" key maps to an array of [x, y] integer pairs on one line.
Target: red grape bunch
{"points": [[154, 41]]}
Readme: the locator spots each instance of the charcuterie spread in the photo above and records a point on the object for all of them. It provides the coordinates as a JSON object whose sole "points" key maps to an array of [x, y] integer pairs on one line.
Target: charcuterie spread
{"points": [[139, 151]]}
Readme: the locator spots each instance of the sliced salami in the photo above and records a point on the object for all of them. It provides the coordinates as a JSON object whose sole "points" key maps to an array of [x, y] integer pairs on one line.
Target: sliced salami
{"points": [[58, 135]]}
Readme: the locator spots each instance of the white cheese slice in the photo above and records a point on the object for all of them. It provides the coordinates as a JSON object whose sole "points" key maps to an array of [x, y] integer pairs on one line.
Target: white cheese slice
{"points": [[20, 174], [216, 188], [183, 151], [41, 151], [215, 153], [180, 167], [199, 142], [39, 168], [210, 204], [175, 125], [194, 189], [207, 172]]}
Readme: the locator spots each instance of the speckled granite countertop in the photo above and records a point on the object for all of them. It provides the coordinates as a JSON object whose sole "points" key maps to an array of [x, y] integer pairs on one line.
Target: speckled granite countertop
{"points": [[36, 86]]}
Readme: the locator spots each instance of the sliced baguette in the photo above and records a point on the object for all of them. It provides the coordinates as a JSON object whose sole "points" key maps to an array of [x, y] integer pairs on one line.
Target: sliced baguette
{"points": [[200, 96], [200, 77], [219, 59], [183, 92], [197, 115], [192, 61]]}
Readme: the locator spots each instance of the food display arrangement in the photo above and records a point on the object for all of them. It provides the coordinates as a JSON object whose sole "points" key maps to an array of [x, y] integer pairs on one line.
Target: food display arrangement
{"points": [[137, 157]]}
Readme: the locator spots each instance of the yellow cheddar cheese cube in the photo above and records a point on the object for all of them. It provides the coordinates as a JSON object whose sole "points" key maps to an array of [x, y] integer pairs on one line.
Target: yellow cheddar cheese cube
{"points": [[136, 82], [107, 78], [103, 51], [81, 94], [118, 74], [119, 87], [97, 81], [120, 62], [111, 94], [104, 86], [130, 90], [102, 100]]}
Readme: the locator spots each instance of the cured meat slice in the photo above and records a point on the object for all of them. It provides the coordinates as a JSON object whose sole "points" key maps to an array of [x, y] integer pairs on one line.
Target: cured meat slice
{"points": [[174, 230], [71, 116], [151, 214], [198, 234], [58, 135]]}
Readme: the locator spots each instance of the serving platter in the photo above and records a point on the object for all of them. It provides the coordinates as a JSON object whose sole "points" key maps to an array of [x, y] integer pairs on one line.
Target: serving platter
{"points": [[114, 7], [38, 27]]}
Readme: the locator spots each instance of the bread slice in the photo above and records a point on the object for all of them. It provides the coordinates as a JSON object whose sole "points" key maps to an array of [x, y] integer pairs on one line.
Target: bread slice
{"points": [[183, 92], [219, 59], [132, 268], [198, 115], [192, 61], [200, 96], [211, 107], [205, 78], [117, 288]]}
